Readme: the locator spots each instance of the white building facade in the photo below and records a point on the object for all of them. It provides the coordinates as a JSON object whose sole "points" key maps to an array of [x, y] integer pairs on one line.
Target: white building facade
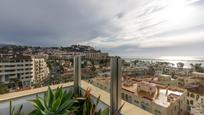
{"points": [[16, 68], [40, 69]]}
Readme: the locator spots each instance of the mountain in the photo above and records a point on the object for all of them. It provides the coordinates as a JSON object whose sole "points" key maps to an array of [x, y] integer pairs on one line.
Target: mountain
{"points": [[3, 45]]}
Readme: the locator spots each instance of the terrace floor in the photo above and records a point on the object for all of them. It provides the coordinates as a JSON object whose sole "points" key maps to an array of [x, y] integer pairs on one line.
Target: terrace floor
{"points": [[128, 109]]}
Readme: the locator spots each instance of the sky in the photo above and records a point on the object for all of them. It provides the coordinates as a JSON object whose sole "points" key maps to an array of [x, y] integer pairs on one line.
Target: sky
{"points": [[128, 28]]}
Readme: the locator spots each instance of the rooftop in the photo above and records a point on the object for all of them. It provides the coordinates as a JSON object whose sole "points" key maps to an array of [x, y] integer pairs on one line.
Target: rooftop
{"points": [[160, 97]]}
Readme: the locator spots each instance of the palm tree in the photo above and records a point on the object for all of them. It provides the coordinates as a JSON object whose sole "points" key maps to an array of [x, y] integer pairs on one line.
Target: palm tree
{"points": [[180, 65]]}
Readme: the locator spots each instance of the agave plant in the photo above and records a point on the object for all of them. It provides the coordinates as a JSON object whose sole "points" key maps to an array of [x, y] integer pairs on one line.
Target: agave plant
{"points": [[14, 111], [58, 103]]}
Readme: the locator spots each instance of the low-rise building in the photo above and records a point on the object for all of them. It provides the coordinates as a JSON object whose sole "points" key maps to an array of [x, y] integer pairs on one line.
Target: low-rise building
{"points": [[198, 74], [135, 71], [194, 78], [157, 99], [166, 80], [178, 71]]}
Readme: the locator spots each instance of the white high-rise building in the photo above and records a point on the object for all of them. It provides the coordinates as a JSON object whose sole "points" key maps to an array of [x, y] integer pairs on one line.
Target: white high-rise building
{"points": [[19, 70], [16, 70]]}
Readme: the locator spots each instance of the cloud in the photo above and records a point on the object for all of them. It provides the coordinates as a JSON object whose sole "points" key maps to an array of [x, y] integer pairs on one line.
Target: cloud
{"points": [[50, 22], [156, 24], [133, 26], [173, 40]]}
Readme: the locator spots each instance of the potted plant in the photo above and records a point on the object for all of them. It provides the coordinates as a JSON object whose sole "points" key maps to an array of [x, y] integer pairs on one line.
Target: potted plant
{"points": [[88, 106], [54, 103]]}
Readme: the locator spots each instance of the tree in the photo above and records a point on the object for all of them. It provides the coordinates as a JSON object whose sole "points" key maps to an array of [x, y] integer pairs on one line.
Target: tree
{"points": [[135, 62], [49, 65], [197, 67], [151, 70], [84, 64], [3, 88], [16, 82], [93, 68]]}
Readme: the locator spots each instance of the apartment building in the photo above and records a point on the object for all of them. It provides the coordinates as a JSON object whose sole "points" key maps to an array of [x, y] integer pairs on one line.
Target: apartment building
{"points": [[16, 70], [157, 99], [40, 69]]}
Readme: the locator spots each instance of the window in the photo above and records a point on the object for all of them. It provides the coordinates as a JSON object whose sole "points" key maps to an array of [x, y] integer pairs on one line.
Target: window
{"points": [[137, 102], [6, 78], [123, 96], [126, 97], [0, 78], [18, 76], [187, 101], [9, 66], [130, 99], [188, 108], [105, 87], [10, 70], [20, 65], [192, 95], [157, 112], [191, 102], [197, 97]]}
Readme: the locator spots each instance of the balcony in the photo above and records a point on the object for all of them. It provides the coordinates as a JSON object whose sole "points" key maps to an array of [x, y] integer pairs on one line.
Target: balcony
{"points": [[108, 99]]}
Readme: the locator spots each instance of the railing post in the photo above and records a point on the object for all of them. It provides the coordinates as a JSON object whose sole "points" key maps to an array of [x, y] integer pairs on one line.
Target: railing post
{"points": [[115, 92], [77, 74]]}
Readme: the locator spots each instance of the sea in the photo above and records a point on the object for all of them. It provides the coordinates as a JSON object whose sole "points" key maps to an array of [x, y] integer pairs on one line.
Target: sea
{"points": [[187, 60]]}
